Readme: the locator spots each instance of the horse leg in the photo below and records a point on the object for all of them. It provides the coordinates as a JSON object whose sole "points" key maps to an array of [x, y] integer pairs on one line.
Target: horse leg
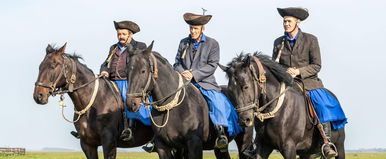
{"points": [[89, 150], [109, 145], [222, 153], [306, 156], [341, 150], [288, 150], [194, 148], [243, 140], [263, 152], [163, 151]]}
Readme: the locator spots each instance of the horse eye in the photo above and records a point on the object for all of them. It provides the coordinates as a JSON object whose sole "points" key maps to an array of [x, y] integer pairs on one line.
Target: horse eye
{"points": [[143, 71], [245, 87]]}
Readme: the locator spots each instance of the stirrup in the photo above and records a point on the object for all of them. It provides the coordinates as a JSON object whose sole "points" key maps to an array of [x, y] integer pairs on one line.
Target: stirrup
{"points": [[221, 146], [333, 147], [126, 137], [148, 148]]}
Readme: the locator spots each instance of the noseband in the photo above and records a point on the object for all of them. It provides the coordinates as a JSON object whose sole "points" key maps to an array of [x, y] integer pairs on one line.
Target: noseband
{"points": [[63, 72]]}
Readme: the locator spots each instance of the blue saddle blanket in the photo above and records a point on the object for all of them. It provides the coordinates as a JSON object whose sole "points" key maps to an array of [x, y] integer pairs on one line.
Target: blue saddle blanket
{"points": [[143, 114], [221, 110], [328, 108]]}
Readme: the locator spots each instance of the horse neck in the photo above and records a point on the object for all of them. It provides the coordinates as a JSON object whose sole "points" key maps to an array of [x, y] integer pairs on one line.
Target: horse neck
{"points": [[167, 81], [82, 96], [272, 85]]}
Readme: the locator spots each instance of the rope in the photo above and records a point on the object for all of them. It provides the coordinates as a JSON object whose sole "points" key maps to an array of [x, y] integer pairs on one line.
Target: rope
{"points": [[263, 116], [170, 105], [91, 102]]}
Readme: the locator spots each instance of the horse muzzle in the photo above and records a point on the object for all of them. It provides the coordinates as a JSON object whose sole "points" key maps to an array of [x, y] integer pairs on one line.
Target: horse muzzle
{"points": [[41, 95], [133, 104], [246, 121]]}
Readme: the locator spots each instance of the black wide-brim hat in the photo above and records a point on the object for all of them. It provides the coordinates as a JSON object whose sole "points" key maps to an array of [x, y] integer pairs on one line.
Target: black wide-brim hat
{"points": [[299, 13], [196, 19], [133, 27]]}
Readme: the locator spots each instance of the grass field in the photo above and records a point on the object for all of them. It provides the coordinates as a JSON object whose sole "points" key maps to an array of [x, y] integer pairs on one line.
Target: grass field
{"points": [[144, 155]]}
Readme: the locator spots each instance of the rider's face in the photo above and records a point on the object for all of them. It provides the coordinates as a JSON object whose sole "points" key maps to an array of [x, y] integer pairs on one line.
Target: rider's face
{"points": [[195, 31], [123, 35], [290, 23]]}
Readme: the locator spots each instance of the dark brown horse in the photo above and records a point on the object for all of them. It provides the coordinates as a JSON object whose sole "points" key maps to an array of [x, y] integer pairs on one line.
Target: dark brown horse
{"points": [[180, 113], [266, 98], [96, 102]]}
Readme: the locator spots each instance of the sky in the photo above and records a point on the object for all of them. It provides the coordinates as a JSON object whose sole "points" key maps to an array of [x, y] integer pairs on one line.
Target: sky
{"points": [[350, 33]]}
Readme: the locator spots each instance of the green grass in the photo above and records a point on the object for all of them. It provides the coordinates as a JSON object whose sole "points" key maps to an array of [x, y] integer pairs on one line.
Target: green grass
{"points": [[144, 155]]}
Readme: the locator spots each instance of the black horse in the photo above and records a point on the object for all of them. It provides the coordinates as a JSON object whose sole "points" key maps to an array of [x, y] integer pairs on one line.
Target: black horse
{"points": [[100, 122], [180, 113], [265, 91]]}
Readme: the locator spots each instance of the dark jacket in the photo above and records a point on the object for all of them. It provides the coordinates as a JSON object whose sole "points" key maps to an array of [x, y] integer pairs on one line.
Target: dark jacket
{"points": [[117, 66], [203, 64], [305, 56]]}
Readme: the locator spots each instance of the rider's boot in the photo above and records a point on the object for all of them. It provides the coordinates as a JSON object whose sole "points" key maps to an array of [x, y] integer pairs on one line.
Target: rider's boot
{"points": [[76, 124], [328, 148], [222, 140], [75, 134]]}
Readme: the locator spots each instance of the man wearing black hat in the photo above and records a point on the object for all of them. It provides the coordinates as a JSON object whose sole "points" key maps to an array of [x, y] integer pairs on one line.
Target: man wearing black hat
{"points": [[114, 68], [196, 60], [299, 52]]}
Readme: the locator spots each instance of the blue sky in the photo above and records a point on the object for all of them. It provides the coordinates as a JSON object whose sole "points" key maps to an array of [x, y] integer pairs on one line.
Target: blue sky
{"points": [[350, 32]]}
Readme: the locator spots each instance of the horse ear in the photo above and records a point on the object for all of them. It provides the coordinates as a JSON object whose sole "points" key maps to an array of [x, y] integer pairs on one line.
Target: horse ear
{"points": [[149, 48], [62, 49], [49, 49], [247, 62], [224, 68]]}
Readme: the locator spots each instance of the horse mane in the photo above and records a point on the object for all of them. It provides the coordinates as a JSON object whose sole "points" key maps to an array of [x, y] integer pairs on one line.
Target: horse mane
{"points": [[276, 69], [73, 56], [161, 58]]}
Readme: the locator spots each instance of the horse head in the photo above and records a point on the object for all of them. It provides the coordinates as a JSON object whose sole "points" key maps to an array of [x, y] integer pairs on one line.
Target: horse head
{"points": [[51, 74], [141, 74], [242, 87]]}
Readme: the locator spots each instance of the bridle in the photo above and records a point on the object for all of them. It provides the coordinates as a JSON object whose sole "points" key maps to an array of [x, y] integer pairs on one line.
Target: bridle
{"points": [[153, 73], [260, 82], [176, 101], [70, 87], [63, 72]]}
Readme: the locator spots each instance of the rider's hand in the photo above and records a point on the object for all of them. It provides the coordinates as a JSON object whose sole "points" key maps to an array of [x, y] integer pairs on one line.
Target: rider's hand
{"points": [[105, 74], [293, 72], [187, 74]]}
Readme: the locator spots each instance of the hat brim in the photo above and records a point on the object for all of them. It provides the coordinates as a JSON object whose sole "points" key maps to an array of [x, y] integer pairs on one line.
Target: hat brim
{"points": [[129, 25], [299, 13], [195, 19]]}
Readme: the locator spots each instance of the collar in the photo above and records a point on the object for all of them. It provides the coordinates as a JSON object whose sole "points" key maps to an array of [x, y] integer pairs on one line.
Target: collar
{"points": [[289, 38], [203, 38]]}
